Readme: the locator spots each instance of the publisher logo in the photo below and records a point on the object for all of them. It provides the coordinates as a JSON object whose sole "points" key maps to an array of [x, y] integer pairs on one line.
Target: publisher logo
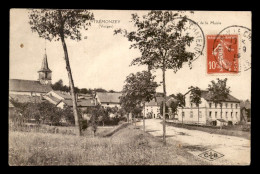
{"points": [[211, 155]]}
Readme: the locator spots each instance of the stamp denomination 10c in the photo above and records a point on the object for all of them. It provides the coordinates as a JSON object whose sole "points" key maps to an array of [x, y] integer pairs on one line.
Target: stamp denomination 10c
{"points": [[222, 54]]}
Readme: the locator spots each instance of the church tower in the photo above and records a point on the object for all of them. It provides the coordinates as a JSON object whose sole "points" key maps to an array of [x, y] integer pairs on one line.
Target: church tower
{"points": [[45, 72]]}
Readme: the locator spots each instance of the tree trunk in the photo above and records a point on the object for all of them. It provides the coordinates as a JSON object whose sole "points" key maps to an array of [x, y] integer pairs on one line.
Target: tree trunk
{"points": [[164, 95], [182, 116], [198, 115], [143, 117], [221, 110], [221, 115], [71, 83]]}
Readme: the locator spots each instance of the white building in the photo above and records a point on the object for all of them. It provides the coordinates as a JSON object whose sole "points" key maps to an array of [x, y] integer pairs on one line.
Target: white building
{"points": [[209, 112], [108, 99], [151, 110]]}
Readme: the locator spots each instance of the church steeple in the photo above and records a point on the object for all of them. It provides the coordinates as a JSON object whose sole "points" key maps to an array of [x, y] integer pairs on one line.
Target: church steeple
{"points": [[45, 72]]}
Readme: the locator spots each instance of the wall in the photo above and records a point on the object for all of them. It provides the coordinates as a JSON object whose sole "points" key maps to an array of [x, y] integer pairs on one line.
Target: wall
{"points": [[191, 115], [226, 112], [111, 105]]}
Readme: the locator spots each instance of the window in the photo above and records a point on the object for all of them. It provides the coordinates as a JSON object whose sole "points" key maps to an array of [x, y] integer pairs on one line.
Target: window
{"points": [[200, 114], [216, 105], [226, 105], [231, 114], [231, 105], [210, 114], [210, 105], [216, 114], [191, 114], [236, 106], [236, 114], [226, 114], [107, 103], [183, 115], [191, 105]]}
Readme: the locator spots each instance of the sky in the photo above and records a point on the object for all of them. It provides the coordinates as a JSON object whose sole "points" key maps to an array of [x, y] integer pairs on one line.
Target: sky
{"points": [[101, 59]]}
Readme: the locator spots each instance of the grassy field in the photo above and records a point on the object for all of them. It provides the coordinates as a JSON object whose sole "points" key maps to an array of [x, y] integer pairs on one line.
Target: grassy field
{"points": [[235, 130], [126, 145]]}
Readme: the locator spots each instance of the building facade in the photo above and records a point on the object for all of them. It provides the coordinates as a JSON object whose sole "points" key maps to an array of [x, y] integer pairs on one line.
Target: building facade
{"points": [[151, 110], [208, 112]]}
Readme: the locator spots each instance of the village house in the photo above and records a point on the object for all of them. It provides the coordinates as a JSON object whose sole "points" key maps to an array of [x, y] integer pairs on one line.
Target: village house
{"points": [[108, 99], [210, 112], [62, 99], [32, 90], [152, 108]]}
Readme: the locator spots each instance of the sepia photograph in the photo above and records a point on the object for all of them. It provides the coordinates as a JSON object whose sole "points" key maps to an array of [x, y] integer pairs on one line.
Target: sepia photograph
{"points": [[129, 87]]}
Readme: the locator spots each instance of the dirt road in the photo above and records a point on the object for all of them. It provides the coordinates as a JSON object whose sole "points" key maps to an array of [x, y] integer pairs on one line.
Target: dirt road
{"points": [[236, 150]]}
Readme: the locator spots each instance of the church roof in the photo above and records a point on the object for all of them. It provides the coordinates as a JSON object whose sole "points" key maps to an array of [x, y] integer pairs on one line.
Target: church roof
{"points": [[28, 86], [45, 66], [25, 98]]}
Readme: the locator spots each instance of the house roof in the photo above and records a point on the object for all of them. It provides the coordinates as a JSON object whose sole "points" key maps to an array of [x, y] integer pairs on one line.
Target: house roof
{"points": [[62, 94], [28, 86], [151, 103], [25, 98], [52, 99], [108, 97], [80, 103], [208, 96], [159, 100]]}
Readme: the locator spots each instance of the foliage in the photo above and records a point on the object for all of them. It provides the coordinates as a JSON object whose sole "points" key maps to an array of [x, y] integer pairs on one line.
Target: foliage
{"points": [[138, 88], [195, 95], [180, 100], [161, 109], [160, 39], [174, 106], [100, 90], [218, 90], [60, 87], [44, 113], [54, 24]]}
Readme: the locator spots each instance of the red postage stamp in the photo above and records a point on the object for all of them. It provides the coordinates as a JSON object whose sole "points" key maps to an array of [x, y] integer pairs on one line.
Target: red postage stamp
{"points": [[222, 54]]}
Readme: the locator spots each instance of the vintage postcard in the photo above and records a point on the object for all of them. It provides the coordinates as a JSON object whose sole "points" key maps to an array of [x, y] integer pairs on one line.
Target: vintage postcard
{"points": [[129, 87]]}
